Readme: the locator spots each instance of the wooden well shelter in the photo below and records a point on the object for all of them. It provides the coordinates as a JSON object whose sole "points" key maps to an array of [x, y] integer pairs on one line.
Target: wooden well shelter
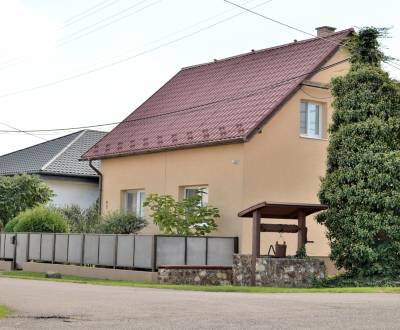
{"points": [[278, 210]]}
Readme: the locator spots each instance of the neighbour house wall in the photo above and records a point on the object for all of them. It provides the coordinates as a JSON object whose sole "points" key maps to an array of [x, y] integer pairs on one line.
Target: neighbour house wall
{"points": [[70, 191], [274, 165]]}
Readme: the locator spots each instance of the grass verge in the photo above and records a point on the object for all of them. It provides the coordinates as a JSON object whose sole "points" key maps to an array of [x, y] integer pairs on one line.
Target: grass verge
{"points": [[4, 311], [206, 288]]}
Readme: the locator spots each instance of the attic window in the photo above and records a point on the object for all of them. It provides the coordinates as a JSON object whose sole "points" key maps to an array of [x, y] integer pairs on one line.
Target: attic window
{"points": [[310, 120]]}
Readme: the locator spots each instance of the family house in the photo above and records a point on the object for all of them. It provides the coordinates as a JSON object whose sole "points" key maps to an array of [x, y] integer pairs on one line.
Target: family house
{"points": [[57, 163], [246, 129]]}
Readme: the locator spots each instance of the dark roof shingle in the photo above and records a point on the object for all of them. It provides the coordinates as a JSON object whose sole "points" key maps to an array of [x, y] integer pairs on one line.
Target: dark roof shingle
{"points": [[59, 156], [218, 102]]}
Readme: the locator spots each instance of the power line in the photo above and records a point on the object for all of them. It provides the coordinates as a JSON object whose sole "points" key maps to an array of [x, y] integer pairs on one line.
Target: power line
{"points": [[77, 34], [90, 11], [14, 61], [281, 23], [122, 60], [297, 29], [21, 131], [72, 20], [230, 98]]}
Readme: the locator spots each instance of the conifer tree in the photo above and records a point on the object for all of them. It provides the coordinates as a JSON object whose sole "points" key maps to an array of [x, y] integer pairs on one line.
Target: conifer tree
{"points": [[362, 182]]}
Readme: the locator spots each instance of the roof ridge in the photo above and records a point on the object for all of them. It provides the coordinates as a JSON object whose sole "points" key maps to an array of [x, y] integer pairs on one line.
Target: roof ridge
{"points": [[38, 144], [267, 49], [63, 150]]}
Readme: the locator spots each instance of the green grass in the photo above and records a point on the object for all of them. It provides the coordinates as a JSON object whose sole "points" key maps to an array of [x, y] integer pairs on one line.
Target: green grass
{"points": [[228, 288], [4, 311]]}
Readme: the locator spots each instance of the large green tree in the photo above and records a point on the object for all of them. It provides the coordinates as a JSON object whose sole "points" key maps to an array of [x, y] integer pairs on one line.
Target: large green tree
{"points": [[362, 182], [21, 192]]}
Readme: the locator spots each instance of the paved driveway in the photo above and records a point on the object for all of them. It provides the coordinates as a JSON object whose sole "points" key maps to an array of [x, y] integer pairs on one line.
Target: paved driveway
{"points": [[52, 305]]}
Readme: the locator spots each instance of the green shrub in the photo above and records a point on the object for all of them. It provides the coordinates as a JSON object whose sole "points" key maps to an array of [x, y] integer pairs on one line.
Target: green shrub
{"points": [[21, 192], [186, 217], [121, 222], [40, 219], [9, 228], [82, 220]]}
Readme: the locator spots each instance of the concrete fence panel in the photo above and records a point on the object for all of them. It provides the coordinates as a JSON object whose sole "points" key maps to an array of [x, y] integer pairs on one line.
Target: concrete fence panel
{"points": [[22, 249], [34, 246], [47, 247], [220, 251], [130, 251], [91, 250], [107, 252], [9, 246], [125, 248], [61, 248], [2, 240], [75, 244], [196, 251], [170, 250], [143, 254]]}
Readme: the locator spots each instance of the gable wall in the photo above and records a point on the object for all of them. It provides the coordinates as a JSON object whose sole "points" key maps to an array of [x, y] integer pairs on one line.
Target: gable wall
{"points": [[281, 166]]}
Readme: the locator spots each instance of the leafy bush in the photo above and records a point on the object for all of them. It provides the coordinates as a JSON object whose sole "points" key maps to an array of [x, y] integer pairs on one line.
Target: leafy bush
{"points": [[186, 217], [9, 228], [362, 182], [21, 192], [40, 219], [82, 220], [121, 222]]}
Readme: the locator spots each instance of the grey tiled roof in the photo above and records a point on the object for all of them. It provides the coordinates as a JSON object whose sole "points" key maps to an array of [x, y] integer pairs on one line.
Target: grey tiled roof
{"points": [[59, 156]]}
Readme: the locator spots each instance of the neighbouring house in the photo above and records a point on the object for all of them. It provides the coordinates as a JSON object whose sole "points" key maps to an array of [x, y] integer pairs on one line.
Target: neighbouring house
{"points": [[57, 163], [247, 128]]}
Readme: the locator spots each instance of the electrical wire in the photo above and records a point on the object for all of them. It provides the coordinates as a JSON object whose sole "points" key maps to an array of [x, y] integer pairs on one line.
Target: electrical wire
{"points": [[193, 108], [78, 34], [296, 29], [122, 60], [25, 132]]}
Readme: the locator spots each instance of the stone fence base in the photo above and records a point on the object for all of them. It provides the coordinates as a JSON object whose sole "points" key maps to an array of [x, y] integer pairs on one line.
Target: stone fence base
{"points": [[199, 275], [278, 272]]}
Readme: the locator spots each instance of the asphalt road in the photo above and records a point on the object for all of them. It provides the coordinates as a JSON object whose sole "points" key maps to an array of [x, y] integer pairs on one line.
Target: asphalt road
{"points": [[55, 305]]}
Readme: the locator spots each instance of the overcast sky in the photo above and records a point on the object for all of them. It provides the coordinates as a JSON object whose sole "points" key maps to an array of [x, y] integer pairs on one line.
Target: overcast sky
{"points": [[134, 47]]}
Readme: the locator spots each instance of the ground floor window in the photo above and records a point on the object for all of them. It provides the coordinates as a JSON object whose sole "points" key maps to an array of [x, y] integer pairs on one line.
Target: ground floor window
{"points": [[133, 201], [193, 190]]}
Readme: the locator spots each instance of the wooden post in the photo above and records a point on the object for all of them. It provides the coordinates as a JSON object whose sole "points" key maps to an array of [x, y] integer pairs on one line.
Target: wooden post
{"points": [[301, 234], [255, 253]]}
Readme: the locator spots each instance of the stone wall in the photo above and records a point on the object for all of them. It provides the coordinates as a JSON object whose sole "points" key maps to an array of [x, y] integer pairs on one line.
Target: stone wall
{"points": [[279, 272], [199, 275]]}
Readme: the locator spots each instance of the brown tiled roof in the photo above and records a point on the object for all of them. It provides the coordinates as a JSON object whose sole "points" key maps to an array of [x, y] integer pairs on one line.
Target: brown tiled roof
{"points": [[220, 102]]}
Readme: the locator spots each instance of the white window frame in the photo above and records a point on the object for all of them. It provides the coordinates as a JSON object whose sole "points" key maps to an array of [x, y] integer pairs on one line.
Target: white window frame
{"points": [[139, 201], [320, 115], [204, 199]]}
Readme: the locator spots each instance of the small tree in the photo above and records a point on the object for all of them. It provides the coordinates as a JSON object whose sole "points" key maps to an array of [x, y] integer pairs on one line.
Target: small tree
{"points": [[362, 182], [21, 192], [186, 217], [121, 222]]}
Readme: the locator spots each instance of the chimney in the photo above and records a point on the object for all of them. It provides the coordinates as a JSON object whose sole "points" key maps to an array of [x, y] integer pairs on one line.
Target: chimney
{"points": [[324, 31]]}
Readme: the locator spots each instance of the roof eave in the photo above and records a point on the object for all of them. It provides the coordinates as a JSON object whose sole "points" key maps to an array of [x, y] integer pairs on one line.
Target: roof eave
{"points": [[171, 148]]}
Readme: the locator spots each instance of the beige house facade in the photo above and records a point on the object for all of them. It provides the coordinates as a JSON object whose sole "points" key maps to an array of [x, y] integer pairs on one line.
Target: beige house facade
{"points": [[282, 161]]}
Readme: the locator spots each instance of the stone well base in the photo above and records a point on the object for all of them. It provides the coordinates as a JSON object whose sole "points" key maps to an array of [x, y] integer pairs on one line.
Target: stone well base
{"points": [[202, 275], [279, 272]]}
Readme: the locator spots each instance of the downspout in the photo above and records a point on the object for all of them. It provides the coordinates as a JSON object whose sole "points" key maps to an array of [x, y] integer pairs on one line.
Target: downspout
{"points": [[100, 184]]}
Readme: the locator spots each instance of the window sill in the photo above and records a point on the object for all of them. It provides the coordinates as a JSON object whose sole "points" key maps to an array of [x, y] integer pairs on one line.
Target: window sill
{"points": [[313, 137]]}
